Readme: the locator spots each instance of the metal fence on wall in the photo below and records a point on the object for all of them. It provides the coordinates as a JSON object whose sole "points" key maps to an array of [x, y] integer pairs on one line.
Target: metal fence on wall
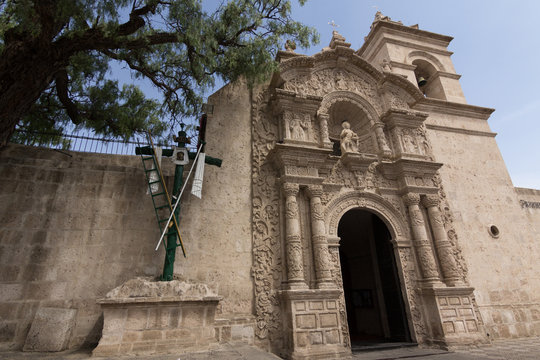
{"points": [[82, 141]]}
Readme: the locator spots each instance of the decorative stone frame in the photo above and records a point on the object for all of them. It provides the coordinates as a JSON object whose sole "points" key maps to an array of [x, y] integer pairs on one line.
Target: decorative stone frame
{"points": [[398, 228]]}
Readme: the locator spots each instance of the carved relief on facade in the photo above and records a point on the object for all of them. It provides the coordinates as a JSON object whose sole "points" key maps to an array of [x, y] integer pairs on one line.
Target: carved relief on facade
{"points": [[267, 258], [338, 281], [340, 175], [325, 81], [448, 221], [395, 98], [409, 143], [299, 127]]}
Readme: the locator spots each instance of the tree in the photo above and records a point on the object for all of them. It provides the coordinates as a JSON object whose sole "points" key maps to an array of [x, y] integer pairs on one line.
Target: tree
{"points": [[56, 54]]}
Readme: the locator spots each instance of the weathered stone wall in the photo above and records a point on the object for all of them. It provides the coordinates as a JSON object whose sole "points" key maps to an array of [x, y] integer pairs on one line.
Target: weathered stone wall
{"points": [[503, 268], [530, 204], [217, 233], [72, 227]]}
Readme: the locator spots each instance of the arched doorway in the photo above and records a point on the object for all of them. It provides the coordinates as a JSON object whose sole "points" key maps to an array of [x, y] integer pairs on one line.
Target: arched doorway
{"points": [[373, 297]]}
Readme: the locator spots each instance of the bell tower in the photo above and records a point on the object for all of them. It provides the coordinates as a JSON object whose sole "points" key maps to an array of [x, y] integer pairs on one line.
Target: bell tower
{"points": [[420, 56]]}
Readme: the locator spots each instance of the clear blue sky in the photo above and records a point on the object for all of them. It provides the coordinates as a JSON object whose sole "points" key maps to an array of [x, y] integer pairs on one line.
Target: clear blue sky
{"points": [[496, 50]]}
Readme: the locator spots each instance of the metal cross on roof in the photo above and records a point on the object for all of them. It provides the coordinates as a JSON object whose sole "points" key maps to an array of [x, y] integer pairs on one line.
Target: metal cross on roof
{"points": [[333, 24]]}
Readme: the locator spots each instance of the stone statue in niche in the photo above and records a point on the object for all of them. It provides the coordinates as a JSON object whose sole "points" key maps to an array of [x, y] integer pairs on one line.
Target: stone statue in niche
{"points": [[386, 66], [298, 129], [348, 138]]}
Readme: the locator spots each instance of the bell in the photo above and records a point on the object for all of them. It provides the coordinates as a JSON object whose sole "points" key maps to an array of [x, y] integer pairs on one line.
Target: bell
{"points": [[421, 81]]}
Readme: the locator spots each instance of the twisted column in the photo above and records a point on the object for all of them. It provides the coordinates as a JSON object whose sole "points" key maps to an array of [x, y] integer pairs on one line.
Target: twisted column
{"points": [[323, 125], [381, 139], [321, 254], [293, 246], [443, 247], [428, 267]]}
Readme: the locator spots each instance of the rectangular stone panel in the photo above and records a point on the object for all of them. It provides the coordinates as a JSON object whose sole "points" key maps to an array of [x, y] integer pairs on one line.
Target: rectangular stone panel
{"points": [[466, 312], [449, 327], [332, 336], [443, 301], [460, 326], [306, 321], [472, 325], [316, 305], [50, 330], [300, 305], [328, 320], [447, 313], [315, 338], [454, 300], [302, 339], [331, 305]]}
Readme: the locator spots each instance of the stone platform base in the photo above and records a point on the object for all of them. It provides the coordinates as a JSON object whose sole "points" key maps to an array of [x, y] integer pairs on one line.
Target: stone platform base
{"points": [[146, 317]]}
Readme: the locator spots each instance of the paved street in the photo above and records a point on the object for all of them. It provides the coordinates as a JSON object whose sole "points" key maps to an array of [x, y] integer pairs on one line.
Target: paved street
{"points": [[514, 349]]}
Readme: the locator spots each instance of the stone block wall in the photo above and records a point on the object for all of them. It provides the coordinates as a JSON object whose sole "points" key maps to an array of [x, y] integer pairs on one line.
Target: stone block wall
{"points": [[503, 267], [72, 227], [529, 199]]}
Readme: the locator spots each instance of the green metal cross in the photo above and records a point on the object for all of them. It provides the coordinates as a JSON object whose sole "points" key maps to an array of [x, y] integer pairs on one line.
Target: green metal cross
{"points": [[181, 139]]}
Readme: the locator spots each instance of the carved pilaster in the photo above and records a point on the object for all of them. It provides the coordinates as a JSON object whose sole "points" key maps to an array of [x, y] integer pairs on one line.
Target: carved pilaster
{"points": [[323, 125], [428, 267], [381, 139], [293, 246], [321, 254], [443, 247]]}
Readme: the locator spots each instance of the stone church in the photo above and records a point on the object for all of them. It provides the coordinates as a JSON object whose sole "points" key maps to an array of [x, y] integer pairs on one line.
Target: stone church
{"points": [[361, 200]]}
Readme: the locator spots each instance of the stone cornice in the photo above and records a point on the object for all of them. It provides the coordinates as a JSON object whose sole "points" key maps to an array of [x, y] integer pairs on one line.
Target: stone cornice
{"points": [[460, 131], [401, 117], [413, 33], [452, 108]]}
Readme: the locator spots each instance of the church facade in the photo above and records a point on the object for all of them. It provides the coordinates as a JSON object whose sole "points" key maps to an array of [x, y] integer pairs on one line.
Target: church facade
{"points": [[381, 209], [360, 200]]}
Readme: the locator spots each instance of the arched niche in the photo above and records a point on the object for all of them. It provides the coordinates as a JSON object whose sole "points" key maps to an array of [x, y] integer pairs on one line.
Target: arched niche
{"points": [[427, 79], [339, 106]]}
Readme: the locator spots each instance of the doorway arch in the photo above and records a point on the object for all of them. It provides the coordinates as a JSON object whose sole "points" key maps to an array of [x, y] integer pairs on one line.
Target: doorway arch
{"points": [[373, 298], [392, 216]]}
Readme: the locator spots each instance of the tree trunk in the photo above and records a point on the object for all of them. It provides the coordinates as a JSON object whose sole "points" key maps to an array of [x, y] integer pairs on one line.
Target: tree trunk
{"points": [[25, 72]]}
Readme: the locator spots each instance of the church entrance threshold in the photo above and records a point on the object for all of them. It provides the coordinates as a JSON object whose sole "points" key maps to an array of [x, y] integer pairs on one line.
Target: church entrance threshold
{"points": [[373, 298]]}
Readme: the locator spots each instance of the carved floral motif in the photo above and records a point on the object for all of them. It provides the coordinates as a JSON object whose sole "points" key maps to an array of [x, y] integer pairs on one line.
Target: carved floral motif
{"points": [[267, 261]]}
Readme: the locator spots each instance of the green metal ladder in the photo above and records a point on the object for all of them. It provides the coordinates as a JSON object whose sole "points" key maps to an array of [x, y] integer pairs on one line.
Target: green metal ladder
{"points": [[158, 191]]}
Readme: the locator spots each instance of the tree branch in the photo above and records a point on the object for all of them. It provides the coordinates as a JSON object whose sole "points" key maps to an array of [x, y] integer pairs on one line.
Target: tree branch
{"points": [[62, 91]]}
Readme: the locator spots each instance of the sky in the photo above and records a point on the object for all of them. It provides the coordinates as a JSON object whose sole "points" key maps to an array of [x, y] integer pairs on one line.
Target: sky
{"points": [[496, 50]]}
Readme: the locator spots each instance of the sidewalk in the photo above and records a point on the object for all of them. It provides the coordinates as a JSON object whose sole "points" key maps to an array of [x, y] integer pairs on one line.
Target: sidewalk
{"points": [[513, 349]]}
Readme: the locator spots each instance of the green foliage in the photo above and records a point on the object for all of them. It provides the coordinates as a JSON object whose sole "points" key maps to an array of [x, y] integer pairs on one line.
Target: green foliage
{"points": [[176, 44]]}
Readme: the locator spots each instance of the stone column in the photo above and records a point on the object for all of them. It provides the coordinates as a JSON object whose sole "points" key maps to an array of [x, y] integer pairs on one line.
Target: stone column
{"points": [[293, 245], [323, 125], [381, 139], [285, 122], [321, 254], [428, 267], [443, 247]]}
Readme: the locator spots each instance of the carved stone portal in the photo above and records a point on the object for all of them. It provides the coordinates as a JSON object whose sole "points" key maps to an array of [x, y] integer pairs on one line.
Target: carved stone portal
{"points": [[301, 189]]}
